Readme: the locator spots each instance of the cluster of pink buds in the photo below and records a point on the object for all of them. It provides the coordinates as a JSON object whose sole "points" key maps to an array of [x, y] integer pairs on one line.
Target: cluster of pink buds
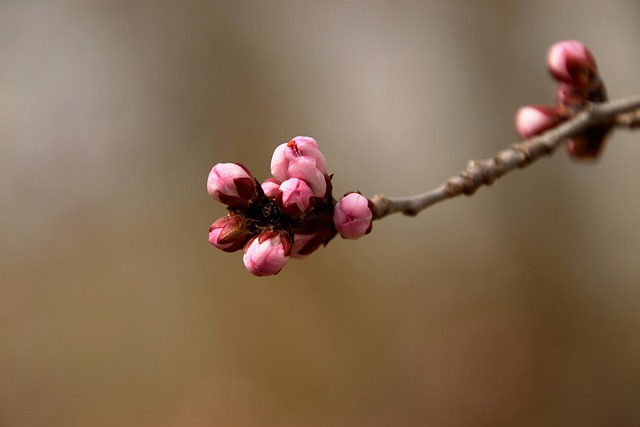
{"points": [[574, 68], [289, 215]]}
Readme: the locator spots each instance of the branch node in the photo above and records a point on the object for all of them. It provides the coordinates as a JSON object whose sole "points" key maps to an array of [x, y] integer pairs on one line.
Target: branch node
{"points": [[452, 188]]}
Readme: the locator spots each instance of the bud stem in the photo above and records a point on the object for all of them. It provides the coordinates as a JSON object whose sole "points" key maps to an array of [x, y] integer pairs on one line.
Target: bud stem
{"points": [[621, 113]]}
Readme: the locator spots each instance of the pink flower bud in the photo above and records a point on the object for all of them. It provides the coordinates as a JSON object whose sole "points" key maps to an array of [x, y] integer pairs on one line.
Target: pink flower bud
{"points": [[228, 233], [295, 196], [305, 168], [270, 187], [532, 120], [267, 253], [353, 216], [300, 146], [570, 61], [231, 184]]}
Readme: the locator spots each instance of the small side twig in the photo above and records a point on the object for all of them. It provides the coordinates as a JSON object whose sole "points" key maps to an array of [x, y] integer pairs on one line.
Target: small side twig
{"points": [[620, 113]]}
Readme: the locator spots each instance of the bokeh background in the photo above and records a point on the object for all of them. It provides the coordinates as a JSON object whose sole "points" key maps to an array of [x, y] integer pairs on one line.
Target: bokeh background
{"points": [[519, 306]]}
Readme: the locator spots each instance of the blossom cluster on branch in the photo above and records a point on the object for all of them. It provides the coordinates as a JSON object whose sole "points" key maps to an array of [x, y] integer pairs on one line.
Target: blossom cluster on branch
{"points": [[574, 68], [293, 213], [289, 215]]}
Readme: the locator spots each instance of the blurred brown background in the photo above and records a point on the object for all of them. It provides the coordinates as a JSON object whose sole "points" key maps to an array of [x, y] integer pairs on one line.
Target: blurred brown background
{"points": [[519, 306]]}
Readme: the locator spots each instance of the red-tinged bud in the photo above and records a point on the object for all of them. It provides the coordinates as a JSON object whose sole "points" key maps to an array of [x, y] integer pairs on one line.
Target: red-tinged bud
{"points": [[270, 187], [570, 61], [588, 145], [294, 196], [353, 215], [267, 253], [532, 120], [300, 146], [228, 233], [231, 184], [316, 230]]}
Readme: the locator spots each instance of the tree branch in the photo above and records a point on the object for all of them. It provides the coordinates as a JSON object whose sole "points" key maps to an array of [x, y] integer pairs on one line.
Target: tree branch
{"points": [[620, 113]]}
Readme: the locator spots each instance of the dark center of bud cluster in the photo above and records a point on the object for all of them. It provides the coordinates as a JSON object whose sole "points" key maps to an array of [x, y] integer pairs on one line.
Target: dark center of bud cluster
{"points": [[264, 214]]}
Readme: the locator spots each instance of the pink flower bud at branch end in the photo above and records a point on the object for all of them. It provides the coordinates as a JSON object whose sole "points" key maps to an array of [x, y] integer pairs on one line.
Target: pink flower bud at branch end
{"points": [[353, 215]]}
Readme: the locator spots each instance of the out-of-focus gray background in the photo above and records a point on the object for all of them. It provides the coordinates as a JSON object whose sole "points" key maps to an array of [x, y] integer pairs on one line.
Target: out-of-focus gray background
{"points": [[519, 306]]}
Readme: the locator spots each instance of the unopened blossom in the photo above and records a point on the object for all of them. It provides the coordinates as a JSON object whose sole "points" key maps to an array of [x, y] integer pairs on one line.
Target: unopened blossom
{"points": [[532, 120], [231, 184], [300, 146], [267, 253], [353, 216], [305, 168], [570, 61], [270, 187], [295, 196], [228, 233]]}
